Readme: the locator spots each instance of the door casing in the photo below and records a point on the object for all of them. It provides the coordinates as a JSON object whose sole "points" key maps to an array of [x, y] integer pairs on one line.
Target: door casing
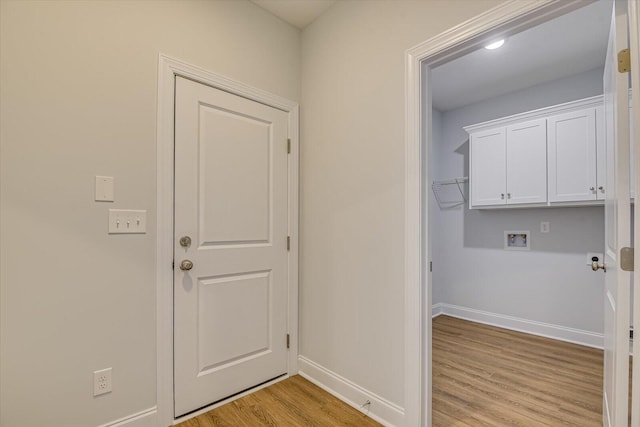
{"points": [[168, 69], [502, 21]]}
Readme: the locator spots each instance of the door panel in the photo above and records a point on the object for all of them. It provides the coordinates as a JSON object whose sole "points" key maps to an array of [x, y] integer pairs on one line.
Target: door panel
{"points": [[488, 172], [230, 314], [241, 300], [572, 156], [634, 37], [234, 149], [617, 228], [527, 162]]}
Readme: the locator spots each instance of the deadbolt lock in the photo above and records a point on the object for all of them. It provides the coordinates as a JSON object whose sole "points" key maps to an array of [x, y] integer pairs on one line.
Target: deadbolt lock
{"points": [[185, 241]]}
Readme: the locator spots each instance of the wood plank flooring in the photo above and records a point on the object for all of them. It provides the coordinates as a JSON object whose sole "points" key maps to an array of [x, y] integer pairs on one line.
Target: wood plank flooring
{"points": [[487, 376], [482, 376], [291, 402]]}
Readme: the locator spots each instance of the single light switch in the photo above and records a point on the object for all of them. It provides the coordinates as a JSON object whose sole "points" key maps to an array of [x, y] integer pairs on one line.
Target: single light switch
{"points": [[104, 189], [127, 221]]}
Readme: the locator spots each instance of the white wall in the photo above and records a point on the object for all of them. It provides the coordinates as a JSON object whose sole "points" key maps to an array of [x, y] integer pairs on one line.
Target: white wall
{"points": [[552, 283], [352, 194], [78, 98]]}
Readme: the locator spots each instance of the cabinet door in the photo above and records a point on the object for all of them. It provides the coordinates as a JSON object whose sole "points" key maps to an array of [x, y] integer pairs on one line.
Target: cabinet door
{"points": [[572, 156], [527, 162], [487, 167], [601, 154]]}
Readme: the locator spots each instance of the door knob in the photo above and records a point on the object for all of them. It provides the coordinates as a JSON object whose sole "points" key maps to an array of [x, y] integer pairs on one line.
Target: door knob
{"points": [[595, 266], [186, 265]]}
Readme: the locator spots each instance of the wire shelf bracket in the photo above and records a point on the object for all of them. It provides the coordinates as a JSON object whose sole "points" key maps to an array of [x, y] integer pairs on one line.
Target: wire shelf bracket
{"points": [[450, 193]]}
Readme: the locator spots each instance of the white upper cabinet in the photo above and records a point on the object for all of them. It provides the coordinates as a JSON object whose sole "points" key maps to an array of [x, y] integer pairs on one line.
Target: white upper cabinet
{"points": [[509, 165], [527, 162], [572, 156], [551, 156], [488, 160]]}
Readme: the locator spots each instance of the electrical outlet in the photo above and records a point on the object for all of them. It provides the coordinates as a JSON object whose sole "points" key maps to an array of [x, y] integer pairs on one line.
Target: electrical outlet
{"points": [[102, 382], [544, 227]]}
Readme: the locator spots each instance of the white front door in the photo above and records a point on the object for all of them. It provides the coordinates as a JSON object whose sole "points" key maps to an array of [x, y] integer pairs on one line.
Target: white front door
{"points": [[617, 228], [230, 313]]}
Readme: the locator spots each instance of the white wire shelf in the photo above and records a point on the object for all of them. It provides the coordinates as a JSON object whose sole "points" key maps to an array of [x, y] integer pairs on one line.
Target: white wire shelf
{"points": [[450, 193]]}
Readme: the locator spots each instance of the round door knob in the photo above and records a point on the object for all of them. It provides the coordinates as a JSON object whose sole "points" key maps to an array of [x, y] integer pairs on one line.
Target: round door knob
{"points": [[186, 265]]}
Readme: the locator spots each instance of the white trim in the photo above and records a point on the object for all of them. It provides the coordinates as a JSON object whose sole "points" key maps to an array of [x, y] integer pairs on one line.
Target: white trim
{"points": [[506, 19], [380, 409], [146, 418], [540, 113], [634, 48], [533, 327], [168, 68], [436, 310], [229, 400]]}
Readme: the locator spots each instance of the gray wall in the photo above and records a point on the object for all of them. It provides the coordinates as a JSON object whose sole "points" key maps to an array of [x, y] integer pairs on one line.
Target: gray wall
{"points": [[79, 85], [352, 183], [551, 283]]}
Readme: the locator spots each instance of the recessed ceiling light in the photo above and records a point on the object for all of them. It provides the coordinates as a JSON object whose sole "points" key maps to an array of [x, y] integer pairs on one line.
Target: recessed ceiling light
{"points": [[494, 45]]}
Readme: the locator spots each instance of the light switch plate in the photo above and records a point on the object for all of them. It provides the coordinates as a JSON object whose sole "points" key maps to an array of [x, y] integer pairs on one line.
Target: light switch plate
{"points": [[123, 221], [104, 189]]}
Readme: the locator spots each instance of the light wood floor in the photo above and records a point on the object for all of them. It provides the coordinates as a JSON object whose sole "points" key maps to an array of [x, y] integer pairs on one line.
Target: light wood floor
{"points": [[487, 376], [482, 376], [291, 402]]}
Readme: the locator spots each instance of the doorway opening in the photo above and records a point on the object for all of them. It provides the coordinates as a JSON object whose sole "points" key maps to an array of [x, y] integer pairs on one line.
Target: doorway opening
{"points": [[463, 232]]}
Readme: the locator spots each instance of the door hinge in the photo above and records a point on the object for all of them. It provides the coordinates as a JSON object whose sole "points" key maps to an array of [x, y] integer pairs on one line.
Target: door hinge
{"points": [[288, 145], [626, 259], [288, 243], [624, 61], [173, 265], [288, 341]]}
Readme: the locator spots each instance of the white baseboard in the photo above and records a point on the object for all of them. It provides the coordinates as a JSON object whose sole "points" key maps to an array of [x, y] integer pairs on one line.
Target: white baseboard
{"points": [[146, 418], [436, 310], [562, 333], [380, 409]]}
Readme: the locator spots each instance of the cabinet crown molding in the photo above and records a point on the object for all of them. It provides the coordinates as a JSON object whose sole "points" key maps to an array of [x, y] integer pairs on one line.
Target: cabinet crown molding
{"points": [[540, 113]]}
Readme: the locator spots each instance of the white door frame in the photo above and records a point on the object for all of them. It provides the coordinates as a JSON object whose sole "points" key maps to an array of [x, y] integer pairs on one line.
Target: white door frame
{"points": [[168, 69], [506, 19]]}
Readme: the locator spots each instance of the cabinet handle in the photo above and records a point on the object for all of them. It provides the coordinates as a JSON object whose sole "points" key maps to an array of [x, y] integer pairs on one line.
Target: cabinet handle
{"points": [[592, 188], [601, 188], [502, 196], [508, 195]]}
